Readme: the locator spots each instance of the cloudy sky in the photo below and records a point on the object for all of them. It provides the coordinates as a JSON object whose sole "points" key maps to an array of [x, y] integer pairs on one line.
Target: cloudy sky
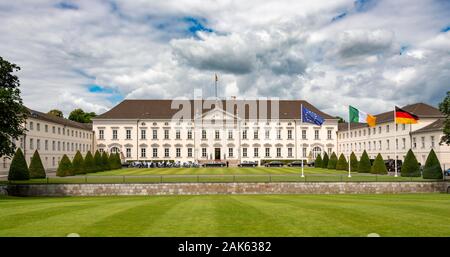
{"points": [[93, 54]]}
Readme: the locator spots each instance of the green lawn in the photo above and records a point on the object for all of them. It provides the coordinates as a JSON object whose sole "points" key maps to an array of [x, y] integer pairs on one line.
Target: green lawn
{"points": [[226, 215]]}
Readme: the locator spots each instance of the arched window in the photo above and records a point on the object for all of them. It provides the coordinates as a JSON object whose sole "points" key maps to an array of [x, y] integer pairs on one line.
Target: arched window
{"points": [[115, 150], [316, 151]]}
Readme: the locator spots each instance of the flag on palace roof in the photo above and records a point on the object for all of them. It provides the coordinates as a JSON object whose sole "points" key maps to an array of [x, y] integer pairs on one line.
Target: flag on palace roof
{"points": [[311, 117], [404, 117], [359, 116]]}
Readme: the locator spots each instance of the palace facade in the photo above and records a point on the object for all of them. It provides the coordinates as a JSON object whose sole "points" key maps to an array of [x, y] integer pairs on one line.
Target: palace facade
{"points": [[213, 130]]}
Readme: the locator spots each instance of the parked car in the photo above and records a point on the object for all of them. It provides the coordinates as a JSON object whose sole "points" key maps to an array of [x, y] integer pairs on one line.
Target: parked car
{"points": [[310, 164], [274, 164], [447, 173], [390, 165], [295, 164], [214, 164], [248, 164]]}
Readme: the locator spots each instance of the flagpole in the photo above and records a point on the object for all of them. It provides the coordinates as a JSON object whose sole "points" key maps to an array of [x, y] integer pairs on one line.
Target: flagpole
{"points": [[349, 161], [301, 124], [396, 143]]}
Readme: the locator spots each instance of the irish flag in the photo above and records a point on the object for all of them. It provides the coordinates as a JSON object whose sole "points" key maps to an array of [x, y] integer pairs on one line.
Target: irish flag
{"points": [[358, 116]]}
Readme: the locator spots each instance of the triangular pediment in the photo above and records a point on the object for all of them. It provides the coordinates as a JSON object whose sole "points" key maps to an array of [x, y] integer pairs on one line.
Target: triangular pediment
{"points": [[218, 114]]}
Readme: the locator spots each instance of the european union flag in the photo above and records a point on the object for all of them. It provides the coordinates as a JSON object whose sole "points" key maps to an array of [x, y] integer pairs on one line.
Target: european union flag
{"points": [[311, 117]]}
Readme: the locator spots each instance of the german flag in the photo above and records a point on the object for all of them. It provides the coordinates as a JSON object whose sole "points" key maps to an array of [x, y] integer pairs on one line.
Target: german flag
{"points": [[404, 117]]}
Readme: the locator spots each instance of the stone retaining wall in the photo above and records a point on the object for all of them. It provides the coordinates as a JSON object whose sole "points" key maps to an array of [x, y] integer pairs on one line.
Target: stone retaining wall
{"points": [[225, 188]]}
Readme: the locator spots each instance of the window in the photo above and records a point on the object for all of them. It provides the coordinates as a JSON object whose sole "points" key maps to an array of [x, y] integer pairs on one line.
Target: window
{"points": [[303, 133], [289, 151], [316, 134], [304, 152], [396, 143], [155, 152], [374, 131], [414, 142], [178, 152], [267, 152], [31, 143], [204, 153], [101, 134], [370, 146], [72, 133], [422, 139], [278, 152], [387, 144], [244, 134], [329, 134], [59, 131], [387, 128], [46, 128], [143, 134], [189, 134], [267, 134], [64, 131], [143, 152], [166, 134], [368, 131], [432, 141], [53, 129], [46, 145], [403, 126], [289, 133], [379, 145], [166, 152], [217, 134], [203, 134], [128, 134], [255, 134], [177, 134], [316, 151], [38, 126], [230, 134], [403, 143], [255, 152], [38, 144], [189, 152], [230, 152], [31, 125], [279, 134], [128, 152], [114, 134], [330, 150], [244, 152], [379, 130]]}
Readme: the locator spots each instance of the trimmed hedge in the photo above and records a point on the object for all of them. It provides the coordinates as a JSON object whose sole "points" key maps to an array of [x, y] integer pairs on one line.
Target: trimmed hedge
{"points": [[105, 161], [88, 163], [432, 169], [410, 167], [332, 162], [114, 161], [36, 168], [342, 163], [325, 160], [78, 164], [378, 166], [353, 162], [318, 162], [18, 170], [364, 165], [98, 163], [65, 167]]}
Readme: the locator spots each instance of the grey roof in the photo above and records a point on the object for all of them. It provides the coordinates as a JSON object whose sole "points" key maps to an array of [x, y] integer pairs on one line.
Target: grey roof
{"points": [[58, 120], [438, 125]]}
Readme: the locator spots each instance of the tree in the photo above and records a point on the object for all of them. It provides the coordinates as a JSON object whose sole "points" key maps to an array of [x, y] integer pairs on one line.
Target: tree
{"points": [[410, 167], [340, 119], [98, 163], [112, 161], [79, 115], [364, 165], [353, 162], [325, 160], [18, 170], [105, 162], [12, 112], [118, 161], [444, 107], [332, 162], [56, 112], [64, 167], [378, 166], [318, 162], [432, 169], [36, 168], [342, 163], [89, 164], [78, 164]]}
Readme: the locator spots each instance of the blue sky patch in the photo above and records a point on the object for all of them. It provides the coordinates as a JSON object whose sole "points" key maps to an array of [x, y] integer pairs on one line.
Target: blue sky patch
{"points": [[196, 24], [111, 94], [340, 16], [66, 5], [403, 49], [364, 5], [445, 29]]}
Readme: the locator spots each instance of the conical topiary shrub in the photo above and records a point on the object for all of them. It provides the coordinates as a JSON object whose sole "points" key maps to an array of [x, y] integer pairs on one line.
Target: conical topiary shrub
{"points": [[36, 168], [318, 162], [64, 167], [378, 166], [88, 163], [105, 163], [342, 163], [364, 165], [118, 161], [410, 167], [332, 162], [432, 169], [18, 170], [325, 160], [353, 162], [112, 161], [77, 164], [98, 163]]}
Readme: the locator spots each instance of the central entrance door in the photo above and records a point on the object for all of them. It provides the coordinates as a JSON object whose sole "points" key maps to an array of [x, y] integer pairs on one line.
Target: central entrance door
{"points": [[217, 153]]}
